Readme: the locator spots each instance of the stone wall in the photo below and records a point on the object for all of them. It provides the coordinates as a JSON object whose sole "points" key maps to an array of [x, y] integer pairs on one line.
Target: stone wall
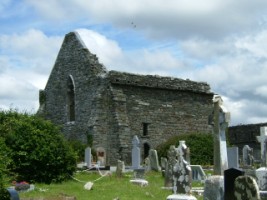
{"points": [[115, 106], [241, 135]]}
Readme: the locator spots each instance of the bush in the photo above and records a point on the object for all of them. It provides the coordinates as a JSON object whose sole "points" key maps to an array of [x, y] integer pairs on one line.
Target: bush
{"points": [[5, 160], [39, 151], [201, 147]]}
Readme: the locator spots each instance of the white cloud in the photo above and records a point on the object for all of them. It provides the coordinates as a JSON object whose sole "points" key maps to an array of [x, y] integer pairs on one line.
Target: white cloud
{"points": [[221, 42], [175, 18], [26, 60], [32, 49], [107, 50]]}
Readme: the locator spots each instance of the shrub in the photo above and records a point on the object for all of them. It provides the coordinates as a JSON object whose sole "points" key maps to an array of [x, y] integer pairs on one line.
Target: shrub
{"points": [[201, 147], [39, 151], [5, 160]]}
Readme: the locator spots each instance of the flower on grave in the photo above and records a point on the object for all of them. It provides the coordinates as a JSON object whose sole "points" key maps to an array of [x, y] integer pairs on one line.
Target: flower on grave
{"points": [[19, 186]]}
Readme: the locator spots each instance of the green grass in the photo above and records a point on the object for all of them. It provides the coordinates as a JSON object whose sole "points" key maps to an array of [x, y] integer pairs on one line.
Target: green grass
{"points": [[106, 188]]}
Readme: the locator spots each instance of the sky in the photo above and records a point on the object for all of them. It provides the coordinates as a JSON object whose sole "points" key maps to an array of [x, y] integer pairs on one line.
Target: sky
{"points": [[221, 42]]}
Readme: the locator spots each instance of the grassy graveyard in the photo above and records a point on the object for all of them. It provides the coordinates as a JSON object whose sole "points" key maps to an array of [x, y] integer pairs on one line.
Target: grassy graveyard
{"points": [[106, 188]]}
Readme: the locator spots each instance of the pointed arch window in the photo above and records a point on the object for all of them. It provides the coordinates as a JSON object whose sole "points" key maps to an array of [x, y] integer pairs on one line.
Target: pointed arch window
{"points": [[70, 99]]}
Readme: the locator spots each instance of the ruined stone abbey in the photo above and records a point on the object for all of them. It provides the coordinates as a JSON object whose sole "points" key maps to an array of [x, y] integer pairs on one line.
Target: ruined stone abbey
{"points": [[111, 106]]}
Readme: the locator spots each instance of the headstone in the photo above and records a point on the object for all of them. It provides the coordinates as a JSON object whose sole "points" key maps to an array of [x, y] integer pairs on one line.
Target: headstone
{"points": [[147, 164], [88, 157], [182, 174], [247, 156], [221, 119], [163, 163], [229, 182], [198, 173], [246, 188], [172, 160], [120, 169], [233, 159], [101, 156], [136, 156], [154, 161], [262, 139], [139, 173], [261, 175], [214, 188]]}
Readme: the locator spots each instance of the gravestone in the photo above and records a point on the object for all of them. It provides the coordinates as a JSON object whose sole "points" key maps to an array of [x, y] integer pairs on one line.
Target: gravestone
{"points": [[262, 139], [120, 169], [101, 156], [154, 161], [221, 119], [214, 188], [246, 188], [163, 163], [233, 158], [88, 157], [198, 173], [172, 160], [247, 156], [139, 175], [147, 164], [229, 182], [182, 176], [182, 171], [136, 156], [261, 175]]}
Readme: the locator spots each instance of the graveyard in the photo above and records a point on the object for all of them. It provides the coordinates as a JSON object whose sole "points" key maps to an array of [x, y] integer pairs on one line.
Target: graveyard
{"points": [[172, 177]]}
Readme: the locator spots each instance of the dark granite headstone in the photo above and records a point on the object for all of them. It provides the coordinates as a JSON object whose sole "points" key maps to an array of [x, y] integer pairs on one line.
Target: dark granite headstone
{"points": [[229, 182]]}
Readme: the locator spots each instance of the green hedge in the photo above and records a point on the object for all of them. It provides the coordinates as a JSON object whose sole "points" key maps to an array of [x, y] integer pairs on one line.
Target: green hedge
{"points": [[5, 161], [39, 151], [200, 144]]}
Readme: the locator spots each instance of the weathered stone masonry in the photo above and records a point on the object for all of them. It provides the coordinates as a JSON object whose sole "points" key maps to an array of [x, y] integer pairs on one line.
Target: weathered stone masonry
{"points": [[246, 134], [85, 98]]}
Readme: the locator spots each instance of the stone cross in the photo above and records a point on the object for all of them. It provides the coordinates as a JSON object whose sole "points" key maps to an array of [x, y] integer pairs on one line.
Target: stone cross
{"points": [[221, 119], [262, 138], [136, 156], [182, 174], [172, 160]]}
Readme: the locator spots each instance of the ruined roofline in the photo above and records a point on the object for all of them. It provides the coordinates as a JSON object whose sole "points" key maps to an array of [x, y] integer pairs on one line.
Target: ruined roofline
{"points": [[160, 82], [150, 81], [249, 125]]}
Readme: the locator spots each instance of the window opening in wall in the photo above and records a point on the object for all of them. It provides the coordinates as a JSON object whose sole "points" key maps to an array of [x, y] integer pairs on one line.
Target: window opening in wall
{"points": [[70, 100], [145, 129], [146, 150]]}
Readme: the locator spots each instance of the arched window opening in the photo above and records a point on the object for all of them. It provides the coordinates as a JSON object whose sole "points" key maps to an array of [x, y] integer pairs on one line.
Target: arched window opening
{"points": [[70, 100]]}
